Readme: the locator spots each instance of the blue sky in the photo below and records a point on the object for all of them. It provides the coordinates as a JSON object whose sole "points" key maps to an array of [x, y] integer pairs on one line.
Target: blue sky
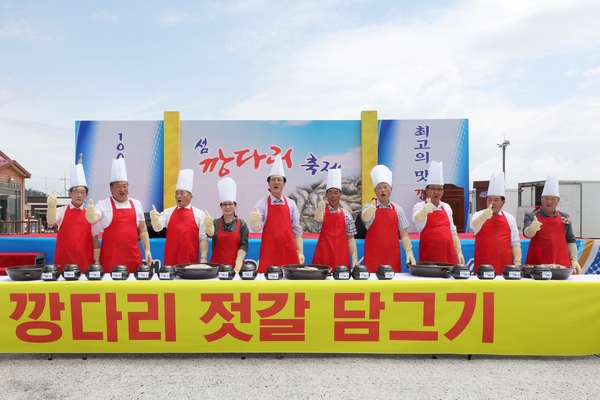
{"points": [[525, 70]]}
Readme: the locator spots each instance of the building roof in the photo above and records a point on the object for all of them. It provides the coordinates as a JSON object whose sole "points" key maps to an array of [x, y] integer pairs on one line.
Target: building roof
{"points": [[6, 162]]}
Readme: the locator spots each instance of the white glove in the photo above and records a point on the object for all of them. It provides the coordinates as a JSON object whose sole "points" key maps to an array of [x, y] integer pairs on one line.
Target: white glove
{"points": [[91, 214], [52, 201], [255, 219], [422, 214], [573, 256], [320, 212], [300, 248], [487, 214], [239, 260], [146, 245], [458, 249], [407, 245], [209, 226], [155, 219], [203, 250], [532, 229], [353, 251], [517, 255], [369, 212]]}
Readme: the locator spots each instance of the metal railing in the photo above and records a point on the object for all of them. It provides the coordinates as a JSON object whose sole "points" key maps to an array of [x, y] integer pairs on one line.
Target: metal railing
{"points": [[21, 227]]}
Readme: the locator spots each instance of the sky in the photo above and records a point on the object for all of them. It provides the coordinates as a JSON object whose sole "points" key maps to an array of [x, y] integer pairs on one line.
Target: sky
{"points": [[524, 71]]}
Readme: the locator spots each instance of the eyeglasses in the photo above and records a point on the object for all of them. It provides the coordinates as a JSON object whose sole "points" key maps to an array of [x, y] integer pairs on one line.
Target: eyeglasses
{"points": [[227, 204], [276, 179], [79, 192], [436, 189], [549, 198]]}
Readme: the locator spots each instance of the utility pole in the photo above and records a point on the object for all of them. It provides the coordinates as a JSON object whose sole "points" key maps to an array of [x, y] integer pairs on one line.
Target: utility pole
{"points": [[64, 179], [503, 146]]}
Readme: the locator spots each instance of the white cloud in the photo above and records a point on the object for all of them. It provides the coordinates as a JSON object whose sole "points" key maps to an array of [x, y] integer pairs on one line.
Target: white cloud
{"points": [[106, 16], [572, 72], [592, 76], [23, 29], [174, 17]]}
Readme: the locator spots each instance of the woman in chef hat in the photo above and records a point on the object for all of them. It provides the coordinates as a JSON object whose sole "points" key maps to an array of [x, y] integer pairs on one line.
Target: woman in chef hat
{"points": [[229, 233]]}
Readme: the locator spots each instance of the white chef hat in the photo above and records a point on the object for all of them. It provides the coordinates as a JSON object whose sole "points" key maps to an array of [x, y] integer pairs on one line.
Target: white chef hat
{"points": [[185, 180], [277, 168], [496, 187], [78, 176], [334, 179], [118, 172], [227, 189], [551, 186], [435, 176], [381, 173]]}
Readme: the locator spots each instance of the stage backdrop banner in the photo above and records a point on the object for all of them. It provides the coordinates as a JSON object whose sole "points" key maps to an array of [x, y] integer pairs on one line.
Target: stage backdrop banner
{"points": [[427, 316], [245, 150]]}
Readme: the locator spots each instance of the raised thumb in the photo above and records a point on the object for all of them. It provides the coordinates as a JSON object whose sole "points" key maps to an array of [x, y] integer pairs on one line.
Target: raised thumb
{"points": [[207, 214], [153, 208], [255, 209]]}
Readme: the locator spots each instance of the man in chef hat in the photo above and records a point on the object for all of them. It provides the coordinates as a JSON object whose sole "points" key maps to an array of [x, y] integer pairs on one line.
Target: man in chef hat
{"points": [[438, 240], [385, 222], [336, 227], [77, 241], [551, 231], [278, 218], [229, 233], [184, 223], [497, 239], [121, 219]]}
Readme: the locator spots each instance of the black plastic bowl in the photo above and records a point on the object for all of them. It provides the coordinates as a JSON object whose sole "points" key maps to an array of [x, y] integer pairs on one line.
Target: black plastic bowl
{"points": [[299, 271], [24, 272]]}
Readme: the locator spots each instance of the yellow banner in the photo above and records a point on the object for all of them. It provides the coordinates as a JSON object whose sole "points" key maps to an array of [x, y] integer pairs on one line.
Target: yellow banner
{"points": [[398, 316]]}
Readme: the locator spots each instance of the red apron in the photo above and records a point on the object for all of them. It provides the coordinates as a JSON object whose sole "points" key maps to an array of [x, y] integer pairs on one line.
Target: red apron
{"points": [[549, 245], [381, 242], [277, 246], [492, 244], [181, 245], [228, 244], [435, 244], [120, 240], [332, 247], [74, 240]]}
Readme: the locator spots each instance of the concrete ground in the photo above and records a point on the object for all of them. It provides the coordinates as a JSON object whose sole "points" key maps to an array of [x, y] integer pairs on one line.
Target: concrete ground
{"points": [[296, 376]]}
